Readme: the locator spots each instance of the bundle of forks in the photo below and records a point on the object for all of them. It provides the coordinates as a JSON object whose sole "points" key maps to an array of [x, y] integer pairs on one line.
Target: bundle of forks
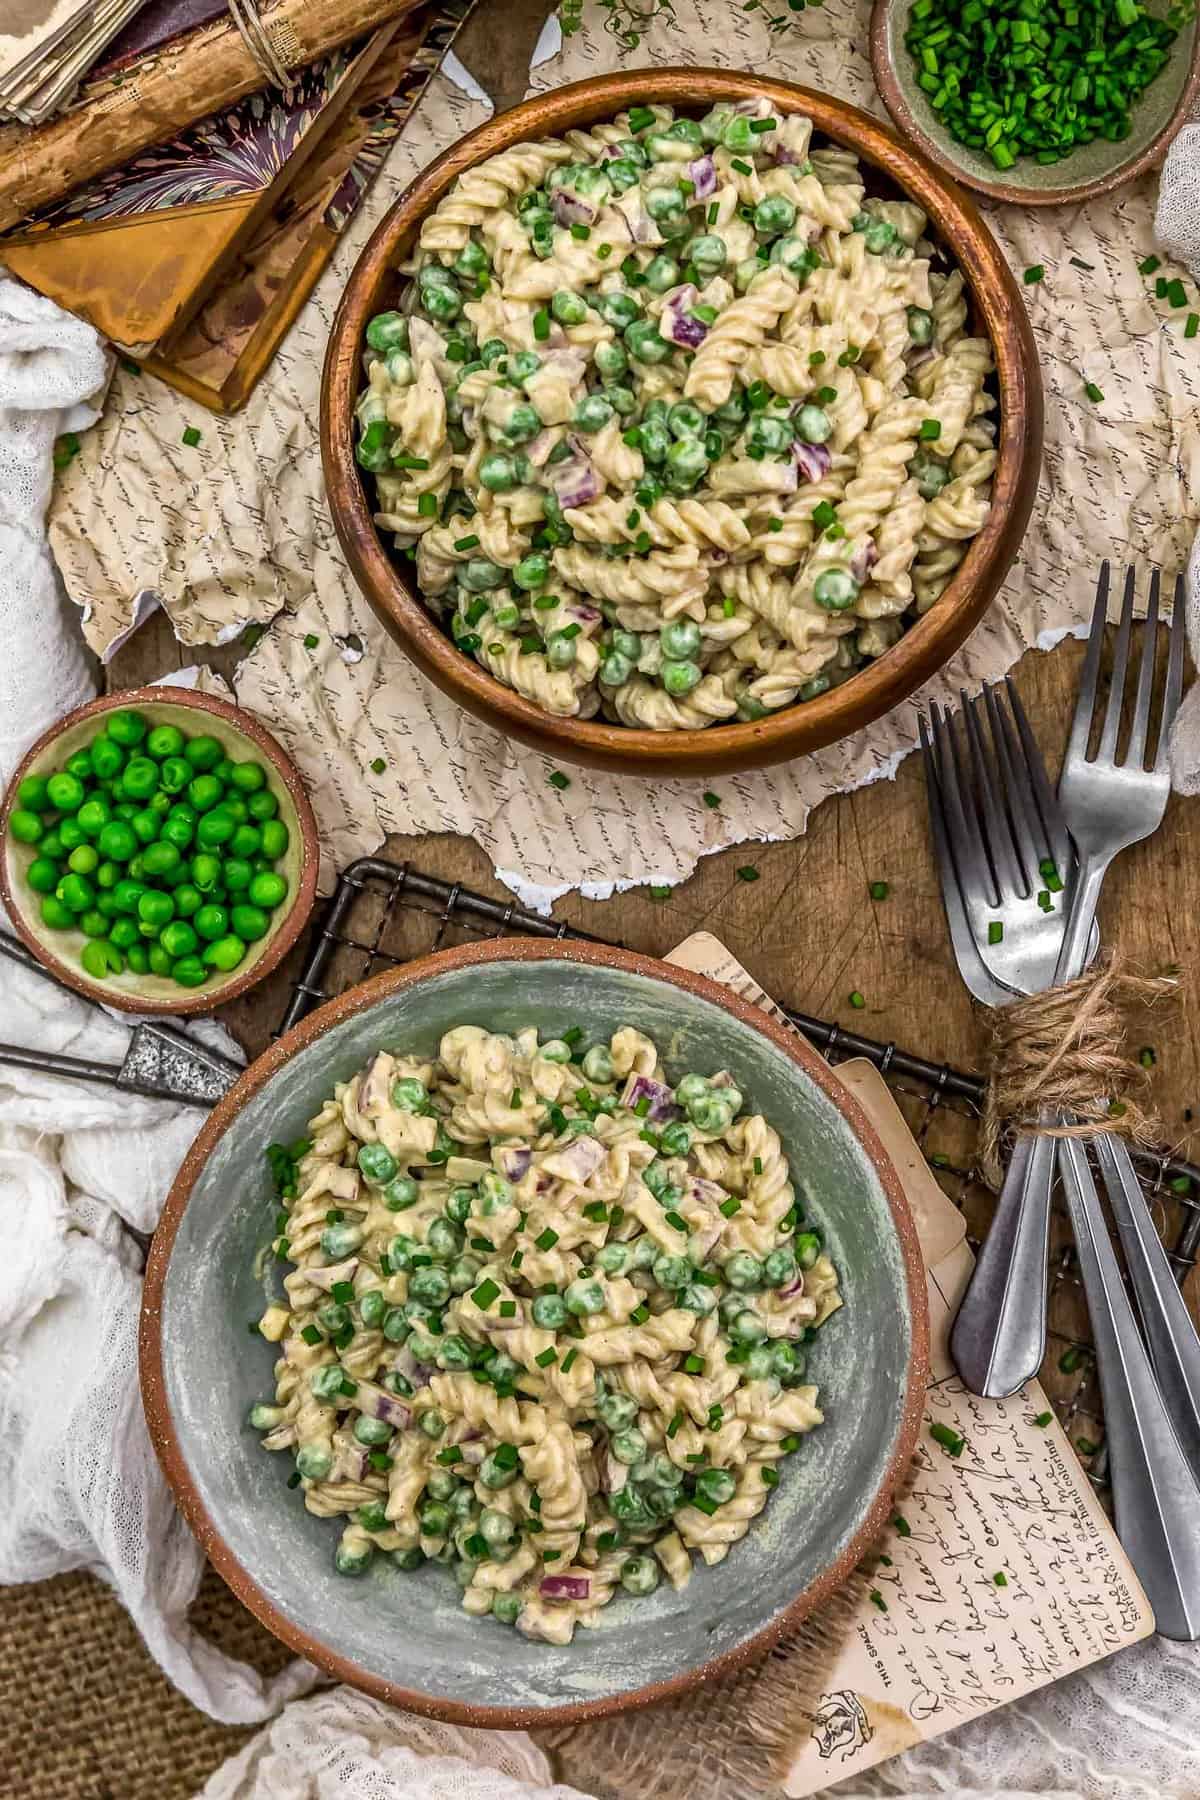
{"points": [[998, 828]]}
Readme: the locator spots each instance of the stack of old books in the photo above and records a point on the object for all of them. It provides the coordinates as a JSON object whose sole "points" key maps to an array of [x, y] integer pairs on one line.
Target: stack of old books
{"points": [[187, 201]]}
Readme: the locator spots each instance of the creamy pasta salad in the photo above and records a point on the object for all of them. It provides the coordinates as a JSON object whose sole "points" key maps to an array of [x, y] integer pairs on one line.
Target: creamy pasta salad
{"points": [[678, 425], [547, 1320]]}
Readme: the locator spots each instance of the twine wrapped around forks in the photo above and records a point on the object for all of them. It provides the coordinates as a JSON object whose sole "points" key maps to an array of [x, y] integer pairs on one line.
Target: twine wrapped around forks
{"points": [[1066, 1051]]}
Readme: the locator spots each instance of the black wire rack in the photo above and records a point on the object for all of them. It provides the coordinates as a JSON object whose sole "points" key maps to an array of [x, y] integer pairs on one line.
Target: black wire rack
{"points": [[384, 914]]}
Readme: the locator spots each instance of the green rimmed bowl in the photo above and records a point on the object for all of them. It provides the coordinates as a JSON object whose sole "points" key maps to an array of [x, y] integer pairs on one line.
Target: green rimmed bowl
{"points": [[1096, 168], [404, 1637]]}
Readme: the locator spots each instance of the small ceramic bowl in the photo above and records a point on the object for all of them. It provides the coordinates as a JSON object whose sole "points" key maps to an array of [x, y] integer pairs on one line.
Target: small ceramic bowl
{"points": [[404, 1637], [1095, 168], [242, 737]]}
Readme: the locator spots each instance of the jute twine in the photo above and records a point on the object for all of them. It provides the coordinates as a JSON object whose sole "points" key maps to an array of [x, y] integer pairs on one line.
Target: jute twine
{"points": [[1067, 1051]]}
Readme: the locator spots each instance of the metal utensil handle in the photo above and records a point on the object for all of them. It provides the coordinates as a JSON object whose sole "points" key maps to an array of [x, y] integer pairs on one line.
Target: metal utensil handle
{"points": [[1157, 1498], [1169, 1331], [999, 1335]]}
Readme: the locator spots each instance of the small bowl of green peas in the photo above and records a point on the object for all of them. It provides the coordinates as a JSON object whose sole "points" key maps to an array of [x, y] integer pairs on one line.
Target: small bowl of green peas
{"points": [[158, 851]]}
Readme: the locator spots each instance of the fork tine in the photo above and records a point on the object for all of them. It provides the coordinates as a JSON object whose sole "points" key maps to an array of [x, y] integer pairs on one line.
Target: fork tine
{"points": [[1054, 826], [1081, 724], [1107, 751], [1033, 846], [966, 846], [952, 901], [1174, 688], [1003, 854], [1135, 755]]}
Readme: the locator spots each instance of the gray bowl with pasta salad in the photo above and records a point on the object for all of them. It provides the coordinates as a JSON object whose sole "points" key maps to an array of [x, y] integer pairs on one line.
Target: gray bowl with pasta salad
{"points": [[533, 1331]]}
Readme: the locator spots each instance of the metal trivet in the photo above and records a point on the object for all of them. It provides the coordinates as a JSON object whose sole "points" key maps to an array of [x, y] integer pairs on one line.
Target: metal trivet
{"points": [[384, 914]]}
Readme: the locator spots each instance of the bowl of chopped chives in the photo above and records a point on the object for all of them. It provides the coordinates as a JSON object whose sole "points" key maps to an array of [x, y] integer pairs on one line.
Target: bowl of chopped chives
{"points": [[1039, 102], [158, 851]]}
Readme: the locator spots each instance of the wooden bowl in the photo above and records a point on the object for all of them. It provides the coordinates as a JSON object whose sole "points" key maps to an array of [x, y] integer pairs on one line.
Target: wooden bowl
{"points": [[1096, 168], [404, 1637], [1000, 314], [242, 736]]}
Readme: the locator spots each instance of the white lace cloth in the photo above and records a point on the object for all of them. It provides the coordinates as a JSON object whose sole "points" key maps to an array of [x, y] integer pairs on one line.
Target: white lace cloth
{"points": [[79, 1485]]}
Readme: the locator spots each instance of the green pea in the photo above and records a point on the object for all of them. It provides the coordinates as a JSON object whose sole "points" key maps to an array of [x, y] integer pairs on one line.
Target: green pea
{"points": [[506, 1606], [592, 413], [745, 272], [54, 914], [814, 687], [100, 959], [813, 424], [628, 1446], [583, 1296], [614, 670], [662, 273], [779, 1267], [388, 331], [215, 828], [165, 740], [613, 1258], [211, 922], [523, 423], [568, 308], [434, 1519], [598, 1065], [161, 858], [371, 1431], [225, 953], [432, 1422], [33, 794], [124, 933], [107, 758], [708, 253], [275, 838], [51, 844], [480, 575], [769, 437], [24, 825], [686, 463], [619, 310], [787, 1363], [188, 899], [42, 875], [671, 1271], [444, 1239], [376, 1163], [808, 1248], [443, 304], [679, 678], [262, 805], [431, 1286], [656, 441], [629, 1506], [204, 791], [560, 651], [76, 893], [160, 962], [880, 237], [774, 214], [716, 1485], [696, 1298], [835, 590], [736, 134], [266, 890], [532, 571], [747, 1328], [610, 360], [639, 1575], [83, 860], [93, 924], [156, 909], [93, 816], [145, 826], [178, 939], [238, 875], [550, 1312], [685, 420], [665, 205], [743, 1271], [118, 841]]}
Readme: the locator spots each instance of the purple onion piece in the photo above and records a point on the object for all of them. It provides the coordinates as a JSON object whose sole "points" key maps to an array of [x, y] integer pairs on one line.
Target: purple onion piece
{"points": [[864, 559], [783, 155], [565, 1587], [538, 448], [708, 1193], [472, 1452], [813, 461], [676, 321], [569, 209], [325, 1278], [662, 1103], [576, 1160], [576, 483], [377, 1403], [793, 1288], [703, 176], [587, 615], [514, 1160]]}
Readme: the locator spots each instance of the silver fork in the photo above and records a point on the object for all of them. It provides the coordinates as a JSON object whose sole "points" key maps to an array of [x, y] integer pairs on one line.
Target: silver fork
{"points": [[1156, 1493]]}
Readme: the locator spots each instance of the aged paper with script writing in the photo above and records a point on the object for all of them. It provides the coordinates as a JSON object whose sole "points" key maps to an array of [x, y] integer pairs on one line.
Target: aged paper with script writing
{"points": [[236, 529], [1000, 1571]]}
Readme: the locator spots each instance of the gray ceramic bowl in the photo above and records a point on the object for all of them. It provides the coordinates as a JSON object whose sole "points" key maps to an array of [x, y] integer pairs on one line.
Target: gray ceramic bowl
{"points": [[1095, 168], [404, 1637]]}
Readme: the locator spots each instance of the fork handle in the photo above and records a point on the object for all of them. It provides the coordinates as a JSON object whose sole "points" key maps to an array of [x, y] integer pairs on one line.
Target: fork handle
{"points": [[1157, 1498], [1170, 1334], [999, 1335]]}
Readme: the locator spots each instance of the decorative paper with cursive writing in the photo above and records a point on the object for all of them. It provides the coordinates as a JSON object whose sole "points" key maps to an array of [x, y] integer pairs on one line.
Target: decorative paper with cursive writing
{"points": [[1000, 1571], [236, 529]]}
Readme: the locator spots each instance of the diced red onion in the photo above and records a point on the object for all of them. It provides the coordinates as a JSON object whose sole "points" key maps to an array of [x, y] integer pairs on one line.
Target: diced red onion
{"points": [[587, 615], [784, 155], [514, 1160], [676, 321], [576, 1160], [576, 483], [864, 558], [703, 176], [565, 1587], [325, 1278], [569, 209], [708, 1193], [662, 1103], [812, 460], [793, 1288], [472, 1452], [377, 1403], [538, 448]]}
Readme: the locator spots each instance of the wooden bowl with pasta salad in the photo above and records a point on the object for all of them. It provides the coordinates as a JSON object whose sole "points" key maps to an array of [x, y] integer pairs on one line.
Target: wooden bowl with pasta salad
{"points": [[681, 421], [587, 1345]]}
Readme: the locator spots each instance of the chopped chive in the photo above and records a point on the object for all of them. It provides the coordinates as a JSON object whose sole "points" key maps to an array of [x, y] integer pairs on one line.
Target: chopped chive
{"points": [[1000, 1578], [747, 872], [640, 1314], [1043, 1419], [508, 1309], [930, 429], [659, 892], [774, 524], [716, 1418], [311, 640], [568, 1359], [856, 1000], [1182, 1184], [427, 506], [731, 1206], [484, 1294], [1176, 293], [676, 1422], [1192, 326], [770, 1476], [191, 437], [1085, 1446], [378, 765], [693, 1365], [466, 543], [1071, 1359], [481, 1243], [788, 1444], [711, 799], [879, 890], [1034, 274], [995, 931], [903, 1528], [541, 323], [558, 780], [949, 1439], [379, 1459], [1146, 1057], [581, 233], [743, 168], [604, 251], [878, 1600], [545, 1357], [758, 1166], [1077, 262], [1094, 394], [410, 462], [293, 1480], [547, 1239], [311, 1335], [596, 1211], [1148, 266], [703, 1504], [676, 1221]]}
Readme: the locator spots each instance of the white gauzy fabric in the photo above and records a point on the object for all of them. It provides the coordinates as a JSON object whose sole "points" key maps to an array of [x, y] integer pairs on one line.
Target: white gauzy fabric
{"points": [[342, 1744], [1177, 228]]}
